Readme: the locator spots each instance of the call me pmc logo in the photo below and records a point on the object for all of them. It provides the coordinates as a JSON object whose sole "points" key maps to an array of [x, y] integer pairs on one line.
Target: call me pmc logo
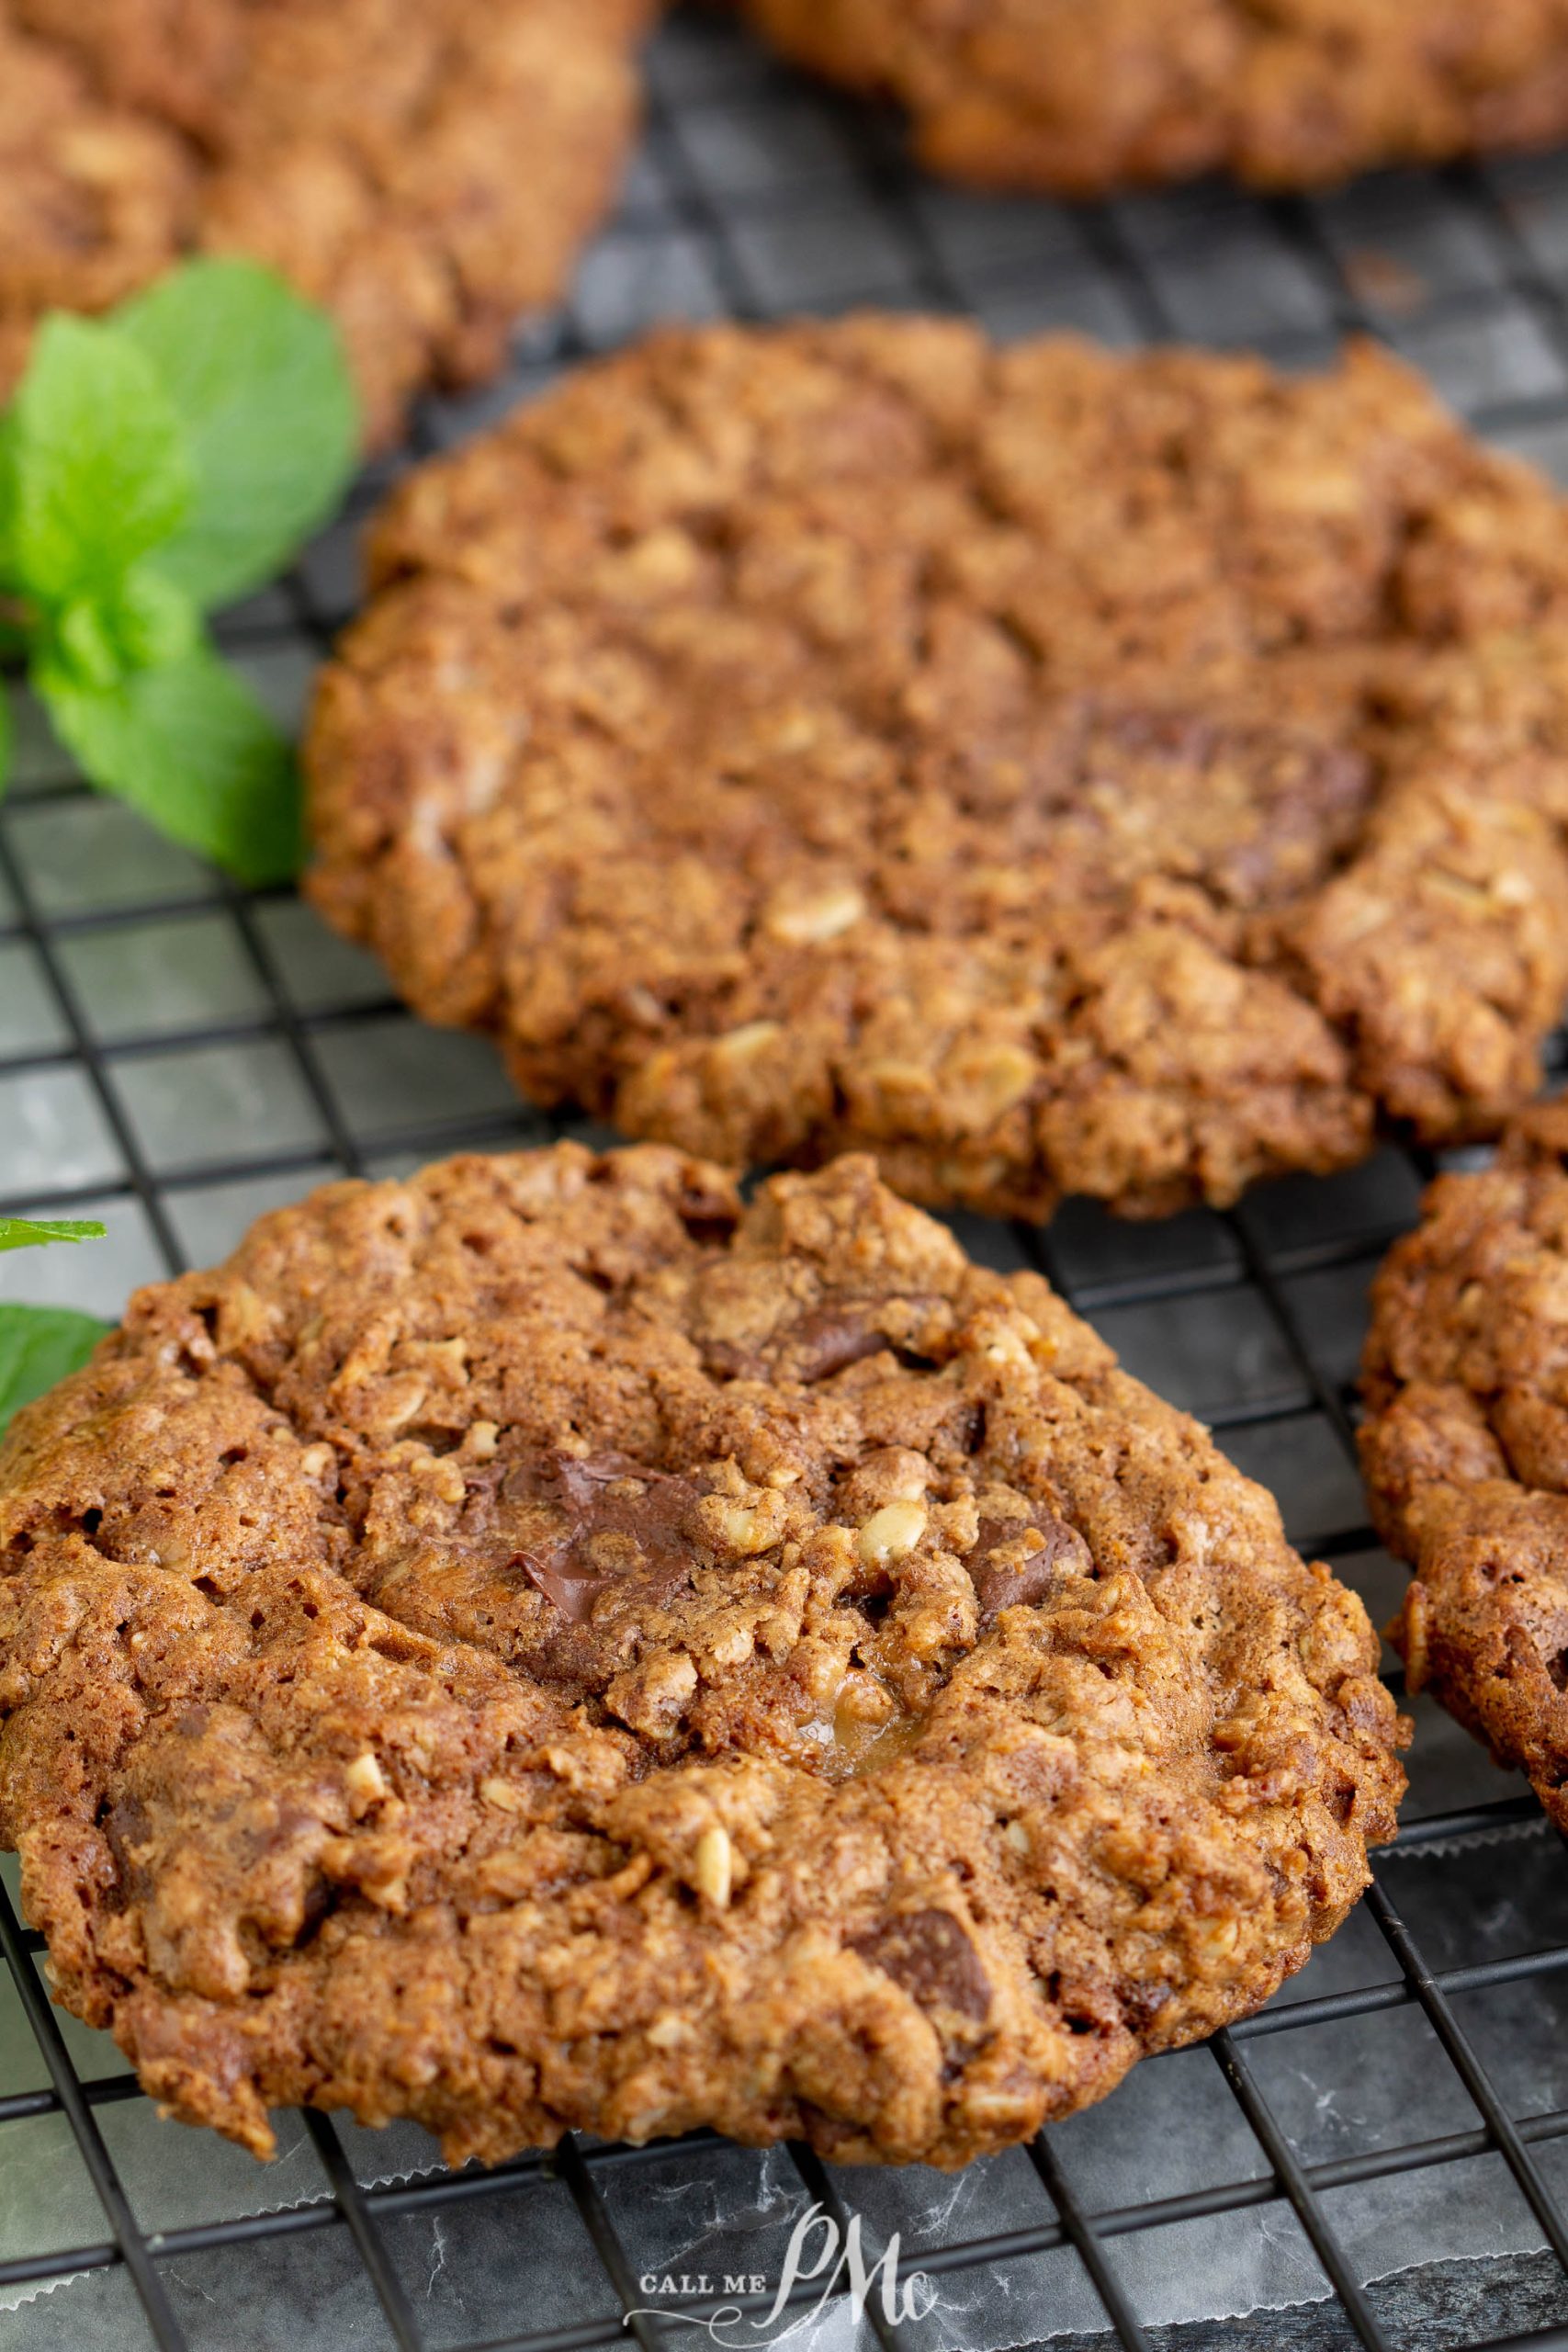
{"points": [[817, 2250]]}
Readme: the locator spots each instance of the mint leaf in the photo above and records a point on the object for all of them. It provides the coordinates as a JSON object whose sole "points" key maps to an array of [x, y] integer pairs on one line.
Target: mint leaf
{"points": [[152, 463], [99, 473], [258, 379], [80, 644], [24, 1232], [141, 623], [154, 621], [38, 1346], [8, 496], [191, 748]]}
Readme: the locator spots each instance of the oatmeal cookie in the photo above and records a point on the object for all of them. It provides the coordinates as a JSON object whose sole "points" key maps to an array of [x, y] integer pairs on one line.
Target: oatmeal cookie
{"points": [[1052, 770], [1083, 96], [544, 1646], [427, 172], [1465, 1446]]}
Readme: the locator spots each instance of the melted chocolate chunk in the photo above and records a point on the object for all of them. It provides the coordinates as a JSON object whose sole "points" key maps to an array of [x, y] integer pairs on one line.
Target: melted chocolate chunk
{"points": [[832, 1336], [708, 1212], [1256, 812], [1000, 1585], [622, 1520], [127, 1826], [929, 1954], [823, 1340], [722, 1360]]}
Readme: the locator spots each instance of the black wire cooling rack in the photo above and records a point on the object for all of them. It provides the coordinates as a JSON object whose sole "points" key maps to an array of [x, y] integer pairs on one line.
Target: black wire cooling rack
{"points": [[175, 1054]]}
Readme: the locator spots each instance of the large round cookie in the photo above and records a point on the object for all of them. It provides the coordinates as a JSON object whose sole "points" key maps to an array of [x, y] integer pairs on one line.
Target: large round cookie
{"points": [[1052, 770], [1081, 96], [1465, 1446], [541, 1646], [427, 172]]}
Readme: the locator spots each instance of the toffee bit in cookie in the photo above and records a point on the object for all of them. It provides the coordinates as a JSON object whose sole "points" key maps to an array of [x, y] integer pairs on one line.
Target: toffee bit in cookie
{"points": [[599, 1715], [863, 1744], [1056, 771]]}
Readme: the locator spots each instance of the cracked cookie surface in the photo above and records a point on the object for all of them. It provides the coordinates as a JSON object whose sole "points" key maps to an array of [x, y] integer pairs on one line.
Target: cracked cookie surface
{"points": [[542, 1646], [1465, 1446], [1083, 96], [1051, 770], [366, 150]]}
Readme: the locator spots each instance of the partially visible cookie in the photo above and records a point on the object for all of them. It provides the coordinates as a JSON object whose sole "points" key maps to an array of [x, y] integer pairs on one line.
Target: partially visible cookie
{"points": [[1053, 770], [542, 1646], [1084, 95], [1465, 1446], [426, 172]]}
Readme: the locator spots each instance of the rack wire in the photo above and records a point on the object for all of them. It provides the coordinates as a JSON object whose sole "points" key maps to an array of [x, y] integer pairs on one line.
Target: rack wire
{"points": [[175, 1054]]}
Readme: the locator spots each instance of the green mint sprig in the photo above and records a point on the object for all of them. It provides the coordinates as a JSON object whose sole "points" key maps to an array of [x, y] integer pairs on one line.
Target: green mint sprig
{"points": [[29, 1233], [39, 1345], [154, 465]]}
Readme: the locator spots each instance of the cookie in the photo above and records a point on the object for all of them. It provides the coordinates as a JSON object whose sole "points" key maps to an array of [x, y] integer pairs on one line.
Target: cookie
{"points": [[1466, 1447], [1083, 96], [427, 173], [542, 1646], [1051, 770]]}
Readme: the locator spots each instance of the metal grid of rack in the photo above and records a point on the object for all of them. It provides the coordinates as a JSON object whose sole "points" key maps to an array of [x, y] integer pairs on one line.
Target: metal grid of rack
{"points": [[175, 1054]]}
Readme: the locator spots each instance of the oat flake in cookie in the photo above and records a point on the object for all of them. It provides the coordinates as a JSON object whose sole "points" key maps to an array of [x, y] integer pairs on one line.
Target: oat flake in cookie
{"points": [[1465, 1446], [1051, 770], [541, 1646], [427, 171], [1082, 95]]}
